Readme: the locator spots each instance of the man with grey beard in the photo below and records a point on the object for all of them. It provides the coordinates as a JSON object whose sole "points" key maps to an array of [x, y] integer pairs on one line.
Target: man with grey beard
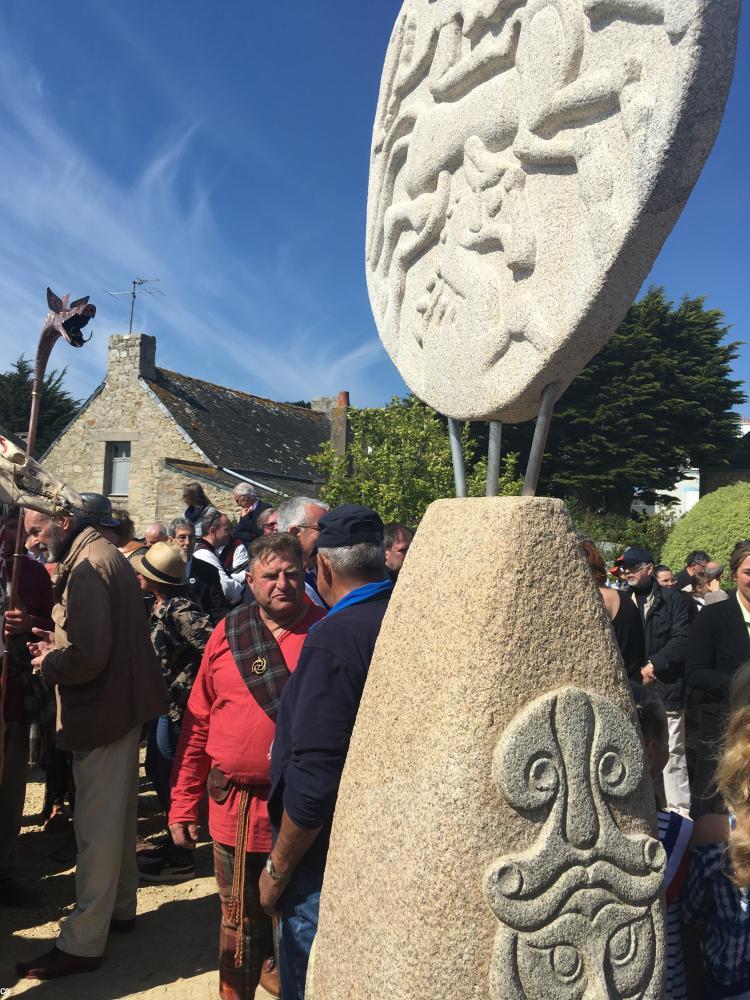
{"points": [[108, 681]]}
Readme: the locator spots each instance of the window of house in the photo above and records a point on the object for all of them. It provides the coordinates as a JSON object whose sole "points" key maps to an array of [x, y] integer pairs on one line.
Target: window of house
{"points": [[117, 468]]}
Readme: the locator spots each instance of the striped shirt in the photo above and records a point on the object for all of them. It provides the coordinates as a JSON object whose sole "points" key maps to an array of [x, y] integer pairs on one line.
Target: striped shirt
{"points": [[724, 912], [674, 834]]}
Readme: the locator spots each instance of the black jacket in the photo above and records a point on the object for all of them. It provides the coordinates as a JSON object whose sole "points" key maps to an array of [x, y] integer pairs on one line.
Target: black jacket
{"points": [[204, 587], [247, 529], [665, 632], [316, 718], [629, 635], [719, 644]]}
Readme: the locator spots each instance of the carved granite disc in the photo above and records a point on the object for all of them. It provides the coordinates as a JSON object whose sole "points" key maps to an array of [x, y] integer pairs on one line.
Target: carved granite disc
{"points": [[529, 158]]}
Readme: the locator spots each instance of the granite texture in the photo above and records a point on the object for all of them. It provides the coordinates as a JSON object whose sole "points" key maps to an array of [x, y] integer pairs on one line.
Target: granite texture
{"points": [[494, 801], [528, 161], [581, 909]]}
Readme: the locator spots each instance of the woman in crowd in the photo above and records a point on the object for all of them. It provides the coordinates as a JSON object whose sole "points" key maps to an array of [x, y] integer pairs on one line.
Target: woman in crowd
{"points": [[623, 614], [197, 505], [719, 644], [127, 543], [179, 633]]}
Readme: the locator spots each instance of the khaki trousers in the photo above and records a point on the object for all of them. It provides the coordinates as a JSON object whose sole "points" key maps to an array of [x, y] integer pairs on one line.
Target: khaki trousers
{"points": [[105, 820], [676, 782]]}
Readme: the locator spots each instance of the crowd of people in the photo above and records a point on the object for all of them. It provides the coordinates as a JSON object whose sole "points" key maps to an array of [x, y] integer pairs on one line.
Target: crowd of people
{"points": [[685, 643], [236, 649], [183, 641]]}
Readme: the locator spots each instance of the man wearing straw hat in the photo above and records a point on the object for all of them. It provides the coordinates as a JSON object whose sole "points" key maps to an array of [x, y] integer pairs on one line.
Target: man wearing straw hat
{"points": [[108, 681], [179, 633], [225, 746]]}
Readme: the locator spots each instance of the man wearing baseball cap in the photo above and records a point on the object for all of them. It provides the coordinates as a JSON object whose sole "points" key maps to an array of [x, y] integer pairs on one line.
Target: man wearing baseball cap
{"points": [[664, 615], [316, 718]]}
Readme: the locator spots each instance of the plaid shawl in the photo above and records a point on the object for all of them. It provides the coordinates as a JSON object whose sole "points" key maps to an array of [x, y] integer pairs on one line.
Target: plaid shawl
{"points": [[258, 657]]}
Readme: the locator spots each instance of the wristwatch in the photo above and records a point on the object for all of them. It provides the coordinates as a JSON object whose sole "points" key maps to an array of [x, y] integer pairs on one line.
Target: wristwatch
{"points": [[271, 869]]}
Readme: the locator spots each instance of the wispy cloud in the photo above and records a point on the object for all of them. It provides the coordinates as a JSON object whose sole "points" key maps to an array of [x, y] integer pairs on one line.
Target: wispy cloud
{"points": [[251, 322]]}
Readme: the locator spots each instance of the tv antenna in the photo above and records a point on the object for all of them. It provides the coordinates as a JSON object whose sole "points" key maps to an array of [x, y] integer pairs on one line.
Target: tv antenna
{"points": [[138, 284]]}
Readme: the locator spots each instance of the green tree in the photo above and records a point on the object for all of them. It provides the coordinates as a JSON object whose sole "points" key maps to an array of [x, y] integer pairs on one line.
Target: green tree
{"points": [[715, 524], [656, 400], [399, 461], [57, 406]]}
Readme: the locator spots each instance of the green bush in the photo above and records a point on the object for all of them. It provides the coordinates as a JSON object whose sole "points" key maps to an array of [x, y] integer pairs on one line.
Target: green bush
{"points": [[613, 533], [715, 524]]}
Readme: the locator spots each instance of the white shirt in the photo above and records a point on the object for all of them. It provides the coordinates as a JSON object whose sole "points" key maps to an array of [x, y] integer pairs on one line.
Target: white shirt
{"points": [[239, 563], [231, 588]]}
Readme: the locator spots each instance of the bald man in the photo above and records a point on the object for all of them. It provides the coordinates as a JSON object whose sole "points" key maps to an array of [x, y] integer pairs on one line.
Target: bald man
{"points": [[155, 532]]}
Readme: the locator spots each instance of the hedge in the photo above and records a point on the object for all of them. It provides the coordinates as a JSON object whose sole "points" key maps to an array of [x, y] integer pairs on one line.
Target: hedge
{"points": [[715, 524]]}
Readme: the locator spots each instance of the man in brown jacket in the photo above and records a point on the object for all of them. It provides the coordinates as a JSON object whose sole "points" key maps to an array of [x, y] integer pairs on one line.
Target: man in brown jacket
{"points": [[108, 683]]}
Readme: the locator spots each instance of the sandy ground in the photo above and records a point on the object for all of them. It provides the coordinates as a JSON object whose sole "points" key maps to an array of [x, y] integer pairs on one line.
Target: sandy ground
{"points": [[174, 948]]}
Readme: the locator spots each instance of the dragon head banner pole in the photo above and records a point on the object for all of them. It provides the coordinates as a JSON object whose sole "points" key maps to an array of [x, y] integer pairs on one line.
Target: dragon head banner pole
{"points": [[67, 321]]}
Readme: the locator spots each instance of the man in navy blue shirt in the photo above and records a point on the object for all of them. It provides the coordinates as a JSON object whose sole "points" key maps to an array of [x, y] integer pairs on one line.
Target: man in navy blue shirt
{"points": [[314, 725]]}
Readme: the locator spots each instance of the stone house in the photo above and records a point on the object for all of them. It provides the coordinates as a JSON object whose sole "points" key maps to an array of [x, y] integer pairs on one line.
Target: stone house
{"points": [[146, 432]]}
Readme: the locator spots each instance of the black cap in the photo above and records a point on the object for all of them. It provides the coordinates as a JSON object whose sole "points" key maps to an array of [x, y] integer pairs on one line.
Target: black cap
{"points": [[97, 509], [634, 556], [349, 524]]}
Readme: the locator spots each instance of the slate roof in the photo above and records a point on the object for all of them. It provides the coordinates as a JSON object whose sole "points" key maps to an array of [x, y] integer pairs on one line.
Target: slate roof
{"points": [[248, 434], [210, 474]]}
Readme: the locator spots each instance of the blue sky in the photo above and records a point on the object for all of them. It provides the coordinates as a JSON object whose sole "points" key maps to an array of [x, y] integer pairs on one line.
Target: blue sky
{"points": [[224, 148]]}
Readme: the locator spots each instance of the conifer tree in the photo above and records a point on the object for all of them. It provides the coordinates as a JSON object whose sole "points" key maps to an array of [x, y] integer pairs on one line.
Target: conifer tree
{"points": [[57, 406], [656, 400]]}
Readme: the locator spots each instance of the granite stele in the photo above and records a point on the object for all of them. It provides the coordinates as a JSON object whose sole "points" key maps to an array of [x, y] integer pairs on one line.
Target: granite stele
{"points": [[528, 161], [493, 836], [494, 831]]}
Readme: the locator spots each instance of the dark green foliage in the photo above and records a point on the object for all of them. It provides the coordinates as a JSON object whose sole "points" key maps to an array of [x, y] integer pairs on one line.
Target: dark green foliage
{"points": [[57, 406], [656, 400]]}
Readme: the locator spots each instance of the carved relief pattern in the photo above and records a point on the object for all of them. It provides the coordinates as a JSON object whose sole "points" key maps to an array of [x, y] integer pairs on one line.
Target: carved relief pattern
{"points": [[579, 910], [479, 96]]}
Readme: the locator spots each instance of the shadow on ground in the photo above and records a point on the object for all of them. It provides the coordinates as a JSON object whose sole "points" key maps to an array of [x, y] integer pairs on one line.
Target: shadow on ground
{"points": [[171, 945], [174, 948]]}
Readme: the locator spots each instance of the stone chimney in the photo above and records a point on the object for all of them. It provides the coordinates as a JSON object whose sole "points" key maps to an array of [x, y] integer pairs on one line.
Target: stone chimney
{"points": [[131, 356], [340, 430], [336, 408]]}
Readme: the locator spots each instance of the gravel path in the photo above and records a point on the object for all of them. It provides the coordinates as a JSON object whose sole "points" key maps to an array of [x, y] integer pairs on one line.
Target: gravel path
{"points": [[174, 948]]}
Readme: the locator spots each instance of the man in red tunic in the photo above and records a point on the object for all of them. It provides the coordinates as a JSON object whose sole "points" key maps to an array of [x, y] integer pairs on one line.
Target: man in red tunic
{"points": [[225, 747]]}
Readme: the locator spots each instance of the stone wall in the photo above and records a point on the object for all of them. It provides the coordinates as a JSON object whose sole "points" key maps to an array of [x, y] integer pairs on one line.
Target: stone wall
{"points": [[126, 410], [169, 503]]}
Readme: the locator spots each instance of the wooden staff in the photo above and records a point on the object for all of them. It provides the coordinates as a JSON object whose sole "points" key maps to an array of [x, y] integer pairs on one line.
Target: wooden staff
{"points": [[65, 321]]}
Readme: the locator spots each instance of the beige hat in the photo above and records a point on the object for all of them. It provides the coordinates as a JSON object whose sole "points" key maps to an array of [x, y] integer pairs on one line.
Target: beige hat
{"points": [[162, 563]]}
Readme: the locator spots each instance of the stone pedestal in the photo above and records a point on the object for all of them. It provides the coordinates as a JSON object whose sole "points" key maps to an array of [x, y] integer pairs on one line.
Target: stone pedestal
{"points": [[493, 834]]}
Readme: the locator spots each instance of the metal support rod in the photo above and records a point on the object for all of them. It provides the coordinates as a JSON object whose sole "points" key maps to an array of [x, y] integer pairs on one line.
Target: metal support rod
{"points": [[493, 457], [539, 443], [455, 427]]}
